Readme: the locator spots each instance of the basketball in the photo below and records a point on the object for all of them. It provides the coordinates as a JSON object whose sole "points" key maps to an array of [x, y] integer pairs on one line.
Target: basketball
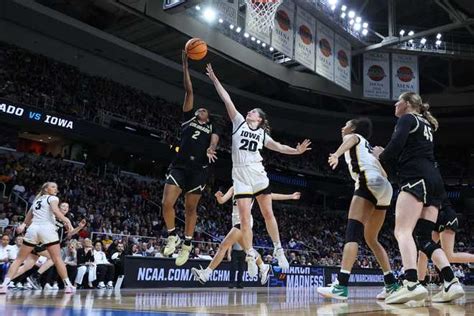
{"points": [[196, 49]]}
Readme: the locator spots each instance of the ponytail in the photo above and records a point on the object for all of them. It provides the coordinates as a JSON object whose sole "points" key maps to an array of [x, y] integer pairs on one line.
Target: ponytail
{"points": [[265, 124], [42, 190], [424, 110]]}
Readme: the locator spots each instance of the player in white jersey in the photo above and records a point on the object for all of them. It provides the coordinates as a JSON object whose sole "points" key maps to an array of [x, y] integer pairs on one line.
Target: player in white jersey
{"points": [[42, 230], [372, 196], [235, 236], [249, 135]]}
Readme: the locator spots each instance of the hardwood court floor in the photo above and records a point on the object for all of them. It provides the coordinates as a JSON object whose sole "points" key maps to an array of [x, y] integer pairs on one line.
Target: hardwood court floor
{"points": [[220, 301]]}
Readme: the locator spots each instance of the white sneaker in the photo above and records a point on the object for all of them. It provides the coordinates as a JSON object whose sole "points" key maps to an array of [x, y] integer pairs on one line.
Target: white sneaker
{"points": [[11, 285], [251, 259], [69, 289], [110, 285], [171, 243], [55, 286], [200, 275], [183, 255], [19, 286], [48, 287], [449, 293], [101, 285], [264, 273], [387, 290], [279, 253], [410, 291]]}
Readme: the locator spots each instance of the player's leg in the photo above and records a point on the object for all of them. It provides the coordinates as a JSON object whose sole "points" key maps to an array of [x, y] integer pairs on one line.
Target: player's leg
{"points": [[359, 212], [202, 275], [171, 193], [25, 250], [423, 260], [55, 253], [27, 265], [265, 203], [191, 202], [244, 205], [451, 287], [447, 238]]}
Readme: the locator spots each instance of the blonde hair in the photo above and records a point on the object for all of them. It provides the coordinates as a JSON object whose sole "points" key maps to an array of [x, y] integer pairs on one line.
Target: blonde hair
{"points": [[43, 188], [423, 108]]}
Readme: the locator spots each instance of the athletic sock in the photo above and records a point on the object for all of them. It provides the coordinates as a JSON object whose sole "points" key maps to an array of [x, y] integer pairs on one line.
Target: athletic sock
{"points": [[343, 277], [208, 271], [6, 281], [172, 232], [188, 240], [411, 275], [260, 265], [389, 278], [277, 244], [448, 274], [67, 282]]}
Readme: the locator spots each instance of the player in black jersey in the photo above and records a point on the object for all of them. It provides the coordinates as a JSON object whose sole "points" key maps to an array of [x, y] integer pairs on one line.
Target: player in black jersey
{"points": [[445, 232], [411, 149], [189, 170]]}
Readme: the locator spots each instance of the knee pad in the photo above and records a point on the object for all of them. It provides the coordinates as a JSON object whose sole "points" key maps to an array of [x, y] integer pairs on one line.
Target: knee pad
{"points": [[425, 241], [354, 231]]}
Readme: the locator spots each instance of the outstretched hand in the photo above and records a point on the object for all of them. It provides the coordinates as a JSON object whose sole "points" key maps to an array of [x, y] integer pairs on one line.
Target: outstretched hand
{"points": [[333, 161], [296, 195], [304, 146], [211, 155], [210, 72]]}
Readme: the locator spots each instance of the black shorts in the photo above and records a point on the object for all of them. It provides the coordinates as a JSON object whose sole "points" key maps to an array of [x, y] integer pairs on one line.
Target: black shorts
{"points": [[37, 249], [423, 180], [189, 179], [447, 219]]}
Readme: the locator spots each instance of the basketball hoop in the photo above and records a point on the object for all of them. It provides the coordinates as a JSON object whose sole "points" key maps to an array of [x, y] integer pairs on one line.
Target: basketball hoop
{"points": [[262, 13]]}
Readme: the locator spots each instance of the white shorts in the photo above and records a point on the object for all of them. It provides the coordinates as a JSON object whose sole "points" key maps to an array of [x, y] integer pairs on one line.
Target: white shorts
{"points": [[249, 180], [45, 234], [375, 188]]}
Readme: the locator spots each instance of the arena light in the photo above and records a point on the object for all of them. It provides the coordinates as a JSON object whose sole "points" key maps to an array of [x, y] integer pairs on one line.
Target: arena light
{"points": [[198, 7], [438, 36], [351, 22], [357, 27], [246, 35], [358, 19], [333, 7], [352, 14], [221, 21], [332, 2], [365, 32], [209, 15], [252, 39], [259, 41], [264, 45], [343, 15], [271, 49], [365, 25], [343, 8], [411, 33], [231, 26], [438, 43], [238, 29], [410, 41], [402, 32]]}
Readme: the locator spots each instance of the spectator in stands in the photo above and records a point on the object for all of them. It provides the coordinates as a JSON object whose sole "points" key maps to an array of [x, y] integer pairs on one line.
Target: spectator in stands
{"points": [[69, 255], [6, 255], [86, 264], [4, 222], [105, 270], [118, 260]]}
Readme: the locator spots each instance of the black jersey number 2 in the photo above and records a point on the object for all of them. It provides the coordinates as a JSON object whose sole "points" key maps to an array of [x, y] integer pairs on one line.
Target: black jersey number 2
{"points": [[249, 145]]}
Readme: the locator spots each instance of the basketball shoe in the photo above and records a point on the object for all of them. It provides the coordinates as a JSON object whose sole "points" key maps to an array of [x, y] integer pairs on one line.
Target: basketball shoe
{"points": [[264, 273], [171, 243], [449, 293], [279, 253], [183, 255], [410, 291], [334, 290]]}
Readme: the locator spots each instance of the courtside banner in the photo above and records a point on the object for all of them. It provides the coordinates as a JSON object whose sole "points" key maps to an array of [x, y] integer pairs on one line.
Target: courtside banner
{"points": [[376, 76], [342, 64], [359, 277], [325, 51], [228, 9], [304, 39], [283, 32], [297, 277], [150, 272], [404, 74]]}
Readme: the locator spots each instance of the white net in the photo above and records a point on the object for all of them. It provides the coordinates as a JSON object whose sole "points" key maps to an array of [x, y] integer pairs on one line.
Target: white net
{"points": [[261, 13]]}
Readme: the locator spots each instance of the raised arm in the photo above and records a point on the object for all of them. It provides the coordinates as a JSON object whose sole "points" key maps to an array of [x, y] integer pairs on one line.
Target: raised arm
{"points": [[223, 94], [348, 142], [212, 150], [188, 86], [284, 197], [222, 198], [76, 230], [284, 149]]}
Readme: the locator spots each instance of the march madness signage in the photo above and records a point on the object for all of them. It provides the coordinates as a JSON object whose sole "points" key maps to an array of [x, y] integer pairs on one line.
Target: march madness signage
{"points": [[376, 75], [342, 63], [359, 277], [325, 51], [14, 111], [282, 33], [304, 39], [404, 74], [297, 277]]}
